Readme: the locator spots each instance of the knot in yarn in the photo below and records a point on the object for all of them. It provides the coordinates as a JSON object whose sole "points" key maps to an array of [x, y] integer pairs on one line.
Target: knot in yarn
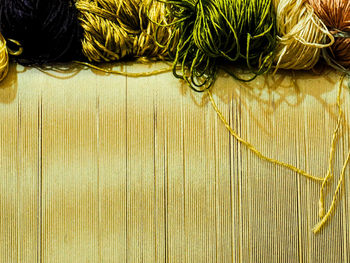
{"points": [[336, 15], [116, 29], [48, 30], [212, 32], [301, 35]]}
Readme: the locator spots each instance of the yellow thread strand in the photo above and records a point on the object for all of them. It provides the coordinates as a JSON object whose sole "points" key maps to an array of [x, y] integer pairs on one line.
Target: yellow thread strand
{"points": [[257, 152], [330, 172], [127, 74], [4, 58], [301, 35], [325, 217], [17, 52], [324, 220]]}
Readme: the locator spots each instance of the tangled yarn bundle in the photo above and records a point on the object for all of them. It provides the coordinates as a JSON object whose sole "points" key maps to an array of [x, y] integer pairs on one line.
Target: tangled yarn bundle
{"points": [[116, 29], [47, 29], [221, 31], [198, 35], [301, 35], [336, 15]]}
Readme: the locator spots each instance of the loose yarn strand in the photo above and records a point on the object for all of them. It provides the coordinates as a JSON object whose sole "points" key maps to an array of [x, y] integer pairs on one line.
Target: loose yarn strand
{"points": [[127, 74], [19, 50], [325, 217], [324, 180], [330, 172], [257, 152]]}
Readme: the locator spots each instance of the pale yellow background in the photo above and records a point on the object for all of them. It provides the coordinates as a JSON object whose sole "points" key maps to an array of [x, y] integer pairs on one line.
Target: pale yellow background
{"points": [[104, 168]]}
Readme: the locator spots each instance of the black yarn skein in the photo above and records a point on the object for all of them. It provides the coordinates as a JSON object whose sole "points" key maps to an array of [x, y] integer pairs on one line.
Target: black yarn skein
{"points": [[48, 30]]}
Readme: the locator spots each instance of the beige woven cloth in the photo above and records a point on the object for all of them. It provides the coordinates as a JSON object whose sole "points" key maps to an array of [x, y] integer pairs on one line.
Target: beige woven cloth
{"points": [[104, 168]]}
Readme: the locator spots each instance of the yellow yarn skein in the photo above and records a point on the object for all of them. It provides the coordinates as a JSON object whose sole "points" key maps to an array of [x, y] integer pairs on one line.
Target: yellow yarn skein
{"points": [[116, 29], [4, 58], [301, 35]]}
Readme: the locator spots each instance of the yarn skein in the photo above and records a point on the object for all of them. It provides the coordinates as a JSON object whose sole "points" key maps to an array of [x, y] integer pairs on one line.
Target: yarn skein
{"points": [[5, 51], [48, 30], [4, 58], [213, 32], [301, 35], [114, 30], [336, 15]]}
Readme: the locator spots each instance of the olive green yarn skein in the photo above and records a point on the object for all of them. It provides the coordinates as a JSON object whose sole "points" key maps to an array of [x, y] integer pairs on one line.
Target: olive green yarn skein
{"points": [[213, 33]]}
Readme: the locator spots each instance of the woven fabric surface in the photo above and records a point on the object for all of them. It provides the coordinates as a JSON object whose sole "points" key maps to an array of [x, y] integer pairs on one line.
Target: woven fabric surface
{"points": [[104, 168]]}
